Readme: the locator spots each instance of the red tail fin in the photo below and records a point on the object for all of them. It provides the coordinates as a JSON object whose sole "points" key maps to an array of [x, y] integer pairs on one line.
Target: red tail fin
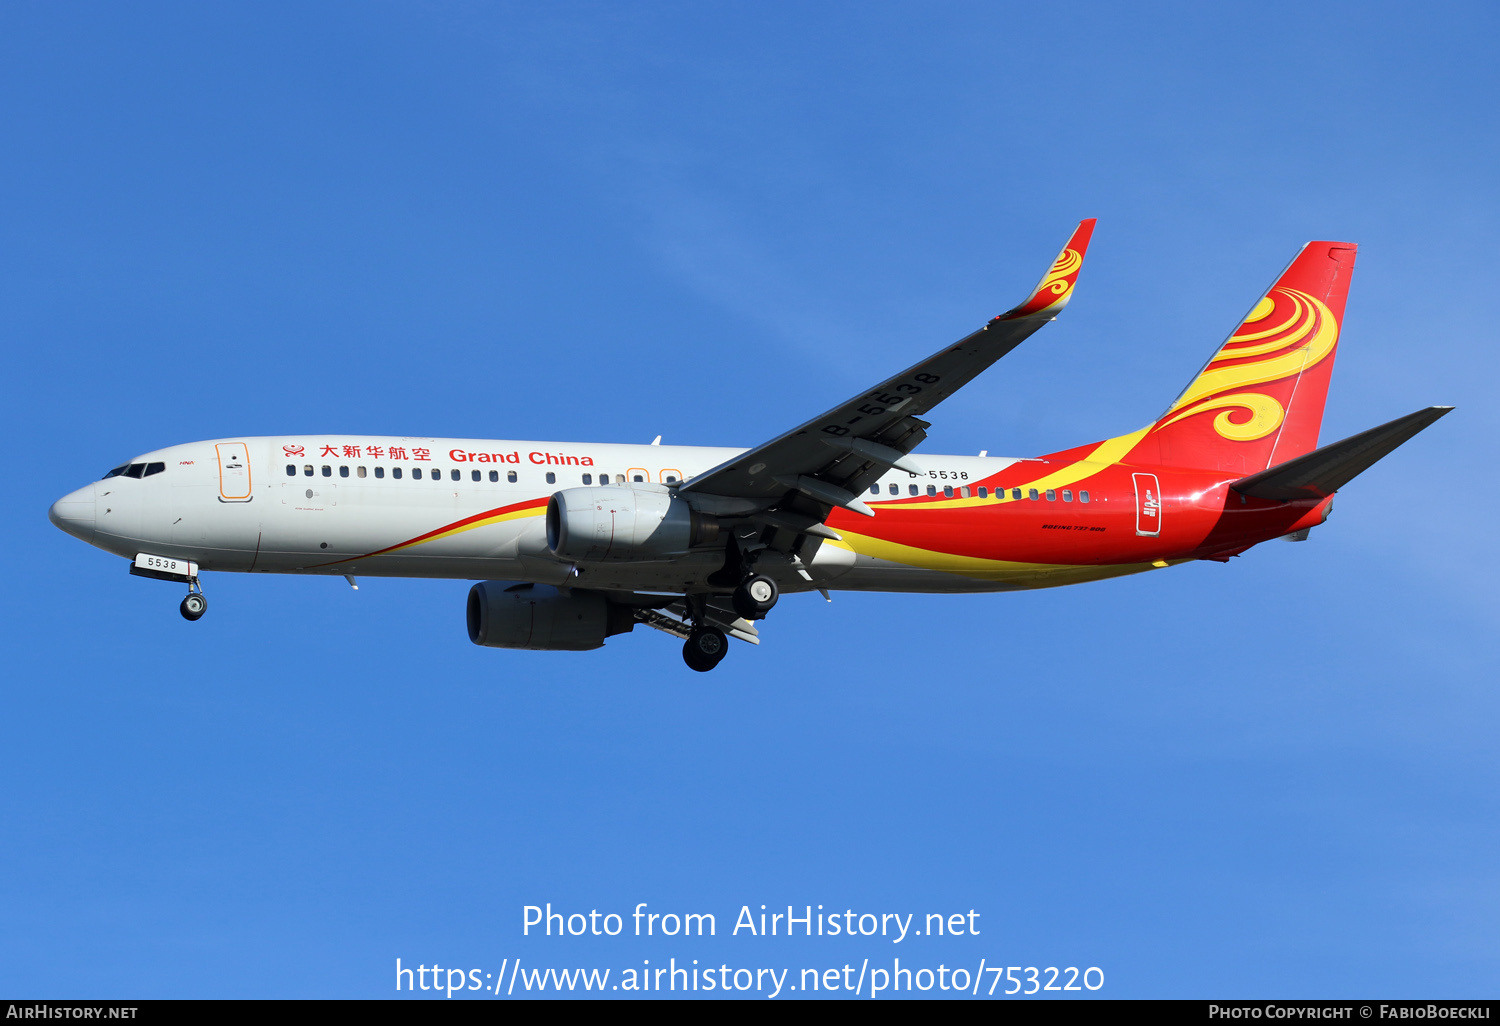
{"points": [[1259, 401]]}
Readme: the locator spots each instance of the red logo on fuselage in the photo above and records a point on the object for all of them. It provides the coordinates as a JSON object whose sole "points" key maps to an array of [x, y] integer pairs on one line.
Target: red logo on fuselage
{"points": [[462, 456]]}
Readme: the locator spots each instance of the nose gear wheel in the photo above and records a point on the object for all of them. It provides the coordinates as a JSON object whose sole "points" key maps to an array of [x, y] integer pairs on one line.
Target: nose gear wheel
{"points": [[193, 606]]}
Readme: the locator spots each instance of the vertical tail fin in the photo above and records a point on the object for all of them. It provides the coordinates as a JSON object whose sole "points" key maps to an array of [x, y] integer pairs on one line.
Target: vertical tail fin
{"points": [[1259, 400]]}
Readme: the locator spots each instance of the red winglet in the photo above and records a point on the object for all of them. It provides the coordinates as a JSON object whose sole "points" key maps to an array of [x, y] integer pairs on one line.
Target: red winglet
{"points": [[1056, 286]]}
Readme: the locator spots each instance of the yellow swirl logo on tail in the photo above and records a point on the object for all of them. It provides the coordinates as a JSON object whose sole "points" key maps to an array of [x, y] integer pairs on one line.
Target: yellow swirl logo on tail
{"points": [[1266, 415], [1301, 339]]}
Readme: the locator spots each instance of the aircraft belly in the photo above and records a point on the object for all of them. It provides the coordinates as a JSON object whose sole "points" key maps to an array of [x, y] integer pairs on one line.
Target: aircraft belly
{"points": [[831, 562], [894, 577], [872, 573], [676, 575]]}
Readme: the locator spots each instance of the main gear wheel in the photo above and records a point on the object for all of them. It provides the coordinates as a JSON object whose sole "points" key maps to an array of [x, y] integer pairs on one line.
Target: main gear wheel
{"points": [[705, 648], [755, 597]]}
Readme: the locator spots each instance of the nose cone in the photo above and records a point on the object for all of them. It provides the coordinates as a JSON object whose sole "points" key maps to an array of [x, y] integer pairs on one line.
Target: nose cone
{"points": [[74, 513]]}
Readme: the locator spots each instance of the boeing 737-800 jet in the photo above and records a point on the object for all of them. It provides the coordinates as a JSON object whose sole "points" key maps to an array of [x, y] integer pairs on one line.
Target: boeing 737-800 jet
{"points": [[571, 543]]}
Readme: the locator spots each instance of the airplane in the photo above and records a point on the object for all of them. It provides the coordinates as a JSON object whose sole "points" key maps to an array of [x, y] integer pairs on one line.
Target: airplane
{"points": [[572, 543]]}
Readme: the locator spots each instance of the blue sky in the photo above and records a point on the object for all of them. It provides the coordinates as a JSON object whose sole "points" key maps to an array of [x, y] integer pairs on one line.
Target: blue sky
{"points": [[1275, 777]]}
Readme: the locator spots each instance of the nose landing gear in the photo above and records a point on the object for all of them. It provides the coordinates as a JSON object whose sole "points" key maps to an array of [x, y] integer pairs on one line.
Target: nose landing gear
{"points": [[183, 571], [194, 606]]}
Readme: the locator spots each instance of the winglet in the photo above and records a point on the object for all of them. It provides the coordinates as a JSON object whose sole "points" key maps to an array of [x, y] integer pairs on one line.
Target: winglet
{"points": [[1056, 286]]}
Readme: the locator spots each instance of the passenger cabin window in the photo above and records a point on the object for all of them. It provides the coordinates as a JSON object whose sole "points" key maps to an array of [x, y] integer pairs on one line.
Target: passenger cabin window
{"points": [[1067, 495], [1083, 496], [1051, 495], [895, 489], [947, 491], [307, 470], [380, 472], [291, 470], [914, 490], [135, 470], [638, 478], [436, 475], [588, 478], [1033, 495], [456, 475], [932, 489], [964, 491], [396, 473], [875, 489], [327, 470], [359, 471], [475, 475], [551, 477], [984, 493], [416, 473], [619, 479], [344, 471], [1015, 493], [672, 479], [511, 477], [494, 475]]}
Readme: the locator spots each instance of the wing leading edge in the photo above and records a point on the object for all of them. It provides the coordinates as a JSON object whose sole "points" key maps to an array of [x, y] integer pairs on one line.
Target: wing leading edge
{"points": [[831, 459]]}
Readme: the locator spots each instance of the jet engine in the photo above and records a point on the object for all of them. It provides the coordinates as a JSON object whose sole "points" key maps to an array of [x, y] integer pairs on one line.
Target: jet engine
{"points": [[540, 617], [611, 523]]}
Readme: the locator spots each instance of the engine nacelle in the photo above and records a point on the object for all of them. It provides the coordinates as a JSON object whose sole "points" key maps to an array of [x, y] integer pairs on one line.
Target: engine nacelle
{"points": [[614, 523], [503, 614]]}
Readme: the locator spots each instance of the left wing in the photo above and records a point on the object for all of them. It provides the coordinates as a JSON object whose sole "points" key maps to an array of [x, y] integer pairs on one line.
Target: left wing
{"points": [[831, 459]]}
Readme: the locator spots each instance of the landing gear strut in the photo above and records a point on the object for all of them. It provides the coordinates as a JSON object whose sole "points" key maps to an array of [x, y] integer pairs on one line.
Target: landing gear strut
{"points": [[194, 605], [705, 648], [755, 597]]}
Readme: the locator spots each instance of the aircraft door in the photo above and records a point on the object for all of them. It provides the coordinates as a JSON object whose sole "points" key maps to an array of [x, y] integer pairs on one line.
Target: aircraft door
{"points": [[234, 472], [1147, 505]]}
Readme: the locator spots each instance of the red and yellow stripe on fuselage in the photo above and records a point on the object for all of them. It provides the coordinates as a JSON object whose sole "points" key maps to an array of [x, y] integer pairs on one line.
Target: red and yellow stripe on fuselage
{"points": [[1042, 543]]}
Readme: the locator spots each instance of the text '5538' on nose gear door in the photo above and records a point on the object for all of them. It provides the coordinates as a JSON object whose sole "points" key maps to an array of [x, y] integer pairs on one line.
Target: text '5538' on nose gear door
{"points": [[234, 472]]}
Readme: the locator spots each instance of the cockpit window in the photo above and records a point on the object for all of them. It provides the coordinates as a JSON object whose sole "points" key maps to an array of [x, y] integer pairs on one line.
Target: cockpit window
{"points": [[155, 468], [117, 471], [135, 470]]}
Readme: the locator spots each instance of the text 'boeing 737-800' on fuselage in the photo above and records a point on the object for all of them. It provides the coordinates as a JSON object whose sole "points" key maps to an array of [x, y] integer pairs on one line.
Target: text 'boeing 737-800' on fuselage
{"points": [[571, 543]]}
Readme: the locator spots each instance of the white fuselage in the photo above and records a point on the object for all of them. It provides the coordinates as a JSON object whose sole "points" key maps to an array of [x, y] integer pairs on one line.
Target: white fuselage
{"points": [[439, 507]]}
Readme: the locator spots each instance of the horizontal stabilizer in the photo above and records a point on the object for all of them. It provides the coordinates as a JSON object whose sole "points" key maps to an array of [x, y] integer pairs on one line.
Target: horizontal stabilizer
{"points": [[1324, 471]]}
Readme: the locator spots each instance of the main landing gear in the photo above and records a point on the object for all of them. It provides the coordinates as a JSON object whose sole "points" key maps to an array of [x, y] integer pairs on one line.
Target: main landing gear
{"points": [[705, 648], [755, 597], [707, 645]]}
